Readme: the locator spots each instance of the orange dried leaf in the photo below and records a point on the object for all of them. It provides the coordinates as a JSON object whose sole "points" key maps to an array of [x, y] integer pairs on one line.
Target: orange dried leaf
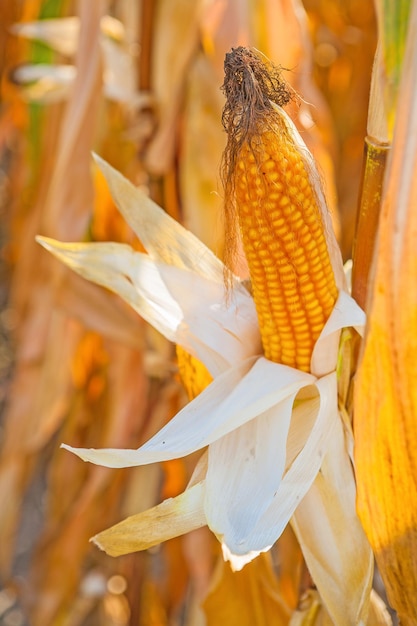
{"points": [[71, 512], [88, 359], [177, 26], [248, 597]]}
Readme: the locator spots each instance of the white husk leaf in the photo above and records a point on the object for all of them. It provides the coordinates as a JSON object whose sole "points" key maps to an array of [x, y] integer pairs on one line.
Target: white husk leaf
{"points": [[346, 312], [334, 545], [260, 446], [300, 474], [239, 395], [165, 297]]}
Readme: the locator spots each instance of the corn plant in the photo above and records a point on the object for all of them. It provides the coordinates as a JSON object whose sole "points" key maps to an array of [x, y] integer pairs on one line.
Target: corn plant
{"points": [[264, 493]]}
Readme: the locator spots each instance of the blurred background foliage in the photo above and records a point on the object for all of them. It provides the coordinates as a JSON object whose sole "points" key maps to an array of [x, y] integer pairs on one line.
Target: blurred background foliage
{"points": [[138, 82]]}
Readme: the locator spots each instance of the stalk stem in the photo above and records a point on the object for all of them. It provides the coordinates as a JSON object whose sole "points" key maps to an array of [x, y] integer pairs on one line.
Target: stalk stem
{"points": [[375, 156]]}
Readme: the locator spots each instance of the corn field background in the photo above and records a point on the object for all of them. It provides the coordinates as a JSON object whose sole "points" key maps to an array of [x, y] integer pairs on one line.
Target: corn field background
{"points": [[138, 82]]}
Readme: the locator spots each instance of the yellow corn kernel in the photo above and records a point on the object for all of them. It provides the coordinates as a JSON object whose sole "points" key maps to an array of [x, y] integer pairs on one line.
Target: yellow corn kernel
{"points": [[194, 375], [283, 236]]}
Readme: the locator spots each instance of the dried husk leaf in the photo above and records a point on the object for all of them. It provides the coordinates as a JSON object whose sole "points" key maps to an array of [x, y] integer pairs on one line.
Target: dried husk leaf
{"points": [[171, 518], [234, 399], [311, 612], [334, 545], [385, 399]]}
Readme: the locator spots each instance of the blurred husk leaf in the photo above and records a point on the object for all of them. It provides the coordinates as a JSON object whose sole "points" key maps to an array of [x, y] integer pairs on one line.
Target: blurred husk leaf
{"points": [[385, 391]]}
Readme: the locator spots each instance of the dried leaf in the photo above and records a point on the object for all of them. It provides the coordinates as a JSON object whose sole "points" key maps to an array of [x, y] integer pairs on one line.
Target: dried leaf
{"points": [[198, 169], [69, 520], [32, 418], [177, 28], [385, 399], [311, 612], [245, 598]]}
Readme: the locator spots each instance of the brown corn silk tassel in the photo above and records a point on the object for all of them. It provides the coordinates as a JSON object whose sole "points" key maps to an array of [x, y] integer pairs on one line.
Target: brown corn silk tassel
{"points": [[270, 193]]}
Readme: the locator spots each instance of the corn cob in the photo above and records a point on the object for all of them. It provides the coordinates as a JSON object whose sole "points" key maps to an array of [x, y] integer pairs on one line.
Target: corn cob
{"points": [[193, 374], [268, 187]]}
